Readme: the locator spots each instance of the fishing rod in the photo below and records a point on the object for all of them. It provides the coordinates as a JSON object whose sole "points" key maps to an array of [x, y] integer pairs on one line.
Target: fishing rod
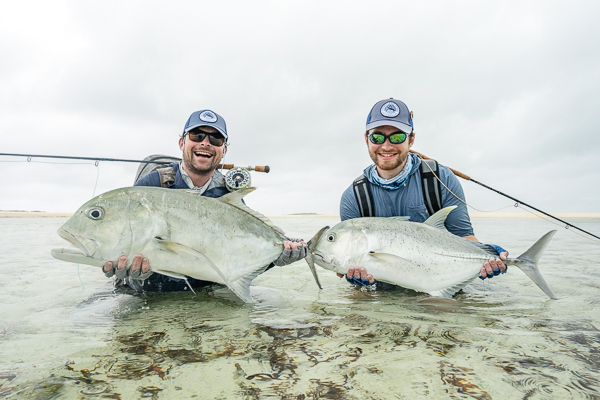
{"points": [[258, 168], [468, 178]]}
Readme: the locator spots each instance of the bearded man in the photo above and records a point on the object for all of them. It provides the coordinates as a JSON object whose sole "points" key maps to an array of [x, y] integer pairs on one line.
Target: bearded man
{"points": [[204, 142], [394, 186]]}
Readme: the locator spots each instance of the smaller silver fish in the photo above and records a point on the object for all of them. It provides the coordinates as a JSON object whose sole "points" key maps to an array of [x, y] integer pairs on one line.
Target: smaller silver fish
{"points": [[421, 256]]}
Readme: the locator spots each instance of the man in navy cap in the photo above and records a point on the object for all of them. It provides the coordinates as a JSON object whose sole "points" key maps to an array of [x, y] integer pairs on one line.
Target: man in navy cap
{"points": [[400, 183], [203, 143]]}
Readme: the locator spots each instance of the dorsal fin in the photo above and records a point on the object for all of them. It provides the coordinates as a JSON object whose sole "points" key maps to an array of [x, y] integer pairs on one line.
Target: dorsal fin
{"points": [[235, 199], [437, 220]]}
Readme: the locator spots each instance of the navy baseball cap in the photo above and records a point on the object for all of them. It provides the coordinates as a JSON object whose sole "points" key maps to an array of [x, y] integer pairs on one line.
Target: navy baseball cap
{"points": [[206, 118], [390, 112]]}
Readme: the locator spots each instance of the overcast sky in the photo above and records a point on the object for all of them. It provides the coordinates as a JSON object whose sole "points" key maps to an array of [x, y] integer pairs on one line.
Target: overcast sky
{"points": [[507, 92]]}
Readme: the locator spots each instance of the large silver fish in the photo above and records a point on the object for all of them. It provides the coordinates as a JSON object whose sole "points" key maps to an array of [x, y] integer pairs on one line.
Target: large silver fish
{"points": [[219, 240], [421, 256]]}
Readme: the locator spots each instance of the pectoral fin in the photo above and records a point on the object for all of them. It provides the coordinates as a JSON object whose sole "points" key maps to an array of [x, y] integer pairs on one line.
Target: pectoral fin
{"points": [[389, 258], [241, 288]]}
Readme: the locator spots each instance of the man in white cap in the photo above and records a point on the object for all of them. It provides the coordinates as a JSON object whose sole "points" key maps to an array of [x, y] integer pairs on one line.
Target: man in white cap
{"points": [[400, 183], [203, 143]]}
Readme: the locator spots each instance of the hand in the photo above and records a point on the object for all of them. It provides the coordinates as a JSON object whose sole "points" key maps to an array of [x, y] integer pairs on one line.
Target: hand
{"points": [[359, 276], [293, 250], [139, 269], [494, 267]]}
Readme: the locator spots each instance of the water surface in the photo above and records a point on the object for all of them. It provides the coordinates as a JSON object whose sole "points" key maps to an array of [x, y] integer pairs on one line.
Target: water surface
{"points": [[65, 334]]}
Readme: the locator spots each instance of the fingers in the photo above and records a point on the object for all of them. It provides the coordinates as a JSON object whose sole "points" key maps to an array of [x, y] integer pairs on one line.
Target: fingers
{"points": [[504, 255], [108, 269], [292, 251], [359, 276], [136, 263], [492, 267], [145, 265], [139, 268], [122, 263]]}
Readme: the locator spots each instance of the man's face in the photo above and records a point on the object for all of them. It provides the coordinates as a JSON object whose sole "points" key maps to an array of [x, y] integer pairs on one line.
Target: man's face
{"points": [[202, 157], [388, 156]]}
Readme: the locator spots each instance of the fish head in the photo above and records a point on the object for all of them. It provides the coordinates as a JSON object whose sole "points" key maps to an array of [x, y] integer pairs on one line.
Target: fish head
{"points": [[104, 228], [340, 247]]}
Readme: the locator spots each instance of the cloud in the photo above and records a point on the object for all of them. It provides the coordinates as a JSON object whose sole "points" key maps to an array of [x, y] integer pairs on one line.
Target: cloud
{"points": [[505, 92]]}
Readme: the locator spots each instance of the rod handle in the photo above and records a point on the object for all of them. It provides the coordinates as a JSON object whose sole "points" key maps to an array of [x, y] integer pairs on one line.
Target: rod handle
{"points": [[262, 168]]}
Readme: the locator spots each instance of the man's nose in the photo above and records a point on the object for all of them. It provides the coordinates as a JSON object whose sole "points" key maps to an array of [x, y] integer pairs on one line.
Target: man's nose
{"points": [[387, 144]]}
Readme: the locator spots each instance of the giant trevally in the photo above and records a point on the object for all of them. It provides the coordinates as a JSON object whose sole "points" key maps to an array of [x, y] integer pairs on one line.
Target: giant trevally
{"points": [[421, 256], [212, 239]]}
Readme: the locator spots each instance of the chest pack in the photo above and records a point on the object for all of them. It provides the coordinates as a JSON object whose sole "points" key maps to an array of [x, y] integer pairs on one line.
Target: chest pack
{"points": [[432, 190], [166, 172]]}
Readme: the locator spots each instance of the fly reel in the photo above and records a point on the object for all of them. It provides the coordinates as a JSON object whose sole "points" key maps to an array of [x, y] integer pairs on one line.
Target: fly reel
{"points": [[238, 178]]}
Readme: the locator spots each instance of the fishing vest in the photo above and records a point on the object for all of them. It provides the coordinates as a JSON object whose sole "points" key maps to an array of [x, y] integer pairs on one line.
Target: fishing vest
{"points": [[432, 190], [166, 172]]}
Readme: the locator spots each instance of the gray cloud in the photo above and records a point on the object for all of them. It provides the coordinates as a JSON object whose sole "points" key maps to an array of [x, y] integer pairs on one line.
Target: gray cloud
{"points": [[505, 92]]}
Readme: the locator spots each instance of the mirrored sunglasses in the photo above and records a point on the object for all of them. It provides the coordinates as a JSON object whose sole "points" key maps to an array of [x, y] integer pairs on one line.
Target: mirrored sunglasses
{"points": [[394, 138]]}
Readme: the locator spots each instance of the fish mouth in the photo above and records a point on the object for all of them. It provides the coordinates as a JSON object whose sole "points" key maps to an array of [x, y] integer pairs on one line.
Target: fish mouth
{"points": [[85, 247], [83, 254], [321, 258]]}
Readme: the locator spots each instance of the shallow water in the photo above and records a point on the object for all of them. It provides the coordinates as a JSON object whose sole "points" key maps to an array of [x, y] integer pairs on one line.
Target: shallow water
{"points": [[65, 334]]}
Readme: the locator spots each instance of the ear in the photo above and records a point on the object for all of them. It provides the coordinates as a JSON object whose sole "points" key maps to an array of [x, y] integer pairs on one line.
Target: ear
{"points": [[181, 144], [224, 150], [411, 139]]}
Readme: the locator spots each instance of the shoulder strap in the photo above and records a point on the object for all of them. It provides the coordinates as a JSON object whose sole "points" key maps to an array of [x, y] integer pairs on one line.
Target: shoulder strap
{"points": [[145, 168], [364, 198], [167, 176], [432, 190]]}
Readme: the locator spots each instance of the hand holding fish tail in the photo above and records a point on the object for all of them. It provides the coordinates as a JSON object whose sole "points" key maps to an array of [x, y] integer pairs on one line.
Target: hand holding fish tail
{"points": [[139, 268], [293, 250], [494, 267]]}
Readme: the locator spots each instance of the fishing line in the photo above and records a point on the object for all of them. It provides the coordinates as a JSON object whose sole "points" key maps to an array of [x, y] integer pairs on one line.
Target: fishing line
{"points": [[80, 281], [518, 204]]}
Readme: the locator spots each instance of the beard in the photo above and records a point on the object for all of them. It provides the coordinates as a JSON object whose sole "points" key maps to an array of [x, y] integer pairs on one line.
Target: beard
{"points": [[204, 168], [388, 165]]}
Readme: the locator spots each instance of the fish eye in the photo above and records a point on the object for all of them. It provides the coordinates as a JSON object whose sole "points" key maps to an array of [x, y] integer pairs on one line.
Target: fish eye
{"points": [[95, 213], [331, 237]]}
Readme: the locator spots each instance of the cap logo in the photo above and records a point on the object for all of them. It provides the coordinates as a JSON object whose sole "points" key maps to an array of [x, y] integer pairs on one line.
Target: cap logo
{"points": [[208, 116], [390, 109]]}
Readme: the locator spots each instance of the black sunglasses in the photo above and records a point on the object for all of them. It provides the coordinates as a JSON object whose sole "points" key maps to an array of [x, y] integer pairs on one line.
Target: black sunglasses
{"points": [[395, 138], [212, 138]]}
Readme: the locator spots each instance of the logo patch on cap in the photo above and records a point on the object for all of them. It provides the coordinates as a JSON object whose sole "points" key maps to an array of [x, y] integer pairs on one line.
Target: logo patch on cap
{"points": [[208, 116], [390, 109]]}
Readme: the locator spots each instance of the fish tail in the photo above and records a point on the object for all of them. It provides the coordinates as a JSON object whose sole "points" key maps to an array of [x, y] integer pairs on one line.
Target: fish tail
{"points": [[527, 262], [311, 265], [312, 243]]}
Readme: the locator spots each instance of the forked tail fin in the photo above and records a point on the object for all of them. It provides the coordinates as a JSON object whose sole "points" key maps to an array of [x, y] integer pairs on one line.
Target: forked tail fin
{"points": [[312, 243], [527, 262]]}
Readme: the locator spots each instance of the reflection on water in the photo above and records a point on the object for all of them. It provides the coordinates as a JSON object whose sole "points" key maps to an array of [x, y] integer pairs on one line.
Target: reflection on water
{"points": [[498, 339]]}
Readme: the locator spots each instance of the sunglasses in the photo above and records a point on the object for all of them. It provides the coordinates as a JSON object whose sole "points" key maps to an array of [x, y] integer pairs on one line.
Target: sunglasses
{"points": [[394, 138], [200, 136]]}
